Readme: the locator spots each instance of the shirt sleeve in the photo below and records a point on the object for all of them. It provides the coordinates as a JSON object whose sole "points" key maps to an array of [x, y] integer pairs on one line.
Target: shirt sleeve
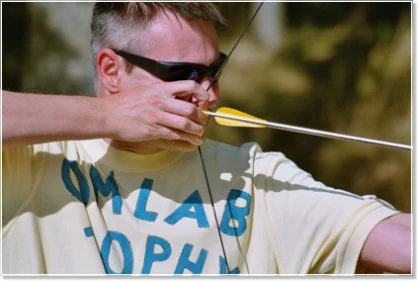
{"points": [[313, 228]]}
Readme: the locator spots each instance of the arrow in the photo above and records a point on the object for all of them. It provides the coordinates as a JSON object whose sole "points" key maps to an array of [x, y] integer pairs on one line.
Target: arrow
{"points": [[234, 118]]}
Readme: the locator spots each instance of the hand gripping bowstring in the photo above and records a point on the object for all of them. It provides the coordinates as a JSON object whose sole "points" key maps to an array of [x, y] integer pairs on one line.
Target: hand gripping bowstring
{"points": [[214, 79]]}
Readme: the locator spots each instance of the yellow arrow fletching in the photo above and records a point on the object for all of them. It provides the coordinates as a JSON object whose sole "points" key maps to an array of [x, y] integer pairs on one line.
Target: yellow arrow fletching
{"points": [[234, 118]]}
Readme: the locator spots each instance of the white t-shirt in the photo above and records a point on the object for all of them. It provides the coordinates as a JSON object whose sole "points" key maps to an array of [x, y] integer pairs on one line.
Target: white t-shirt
{"points": [[82, 207]]}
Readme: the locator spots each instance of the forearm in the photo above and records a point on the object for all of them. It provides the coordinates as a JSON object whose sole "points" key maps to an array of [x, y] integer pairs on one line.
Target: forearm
{"points": [[388, 247], [35, 118]]}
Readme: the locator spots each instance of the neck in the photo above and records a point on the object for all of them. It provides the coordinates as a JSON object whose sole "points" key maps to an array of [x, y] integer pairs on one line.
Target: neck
{"points": [[144, 148]]}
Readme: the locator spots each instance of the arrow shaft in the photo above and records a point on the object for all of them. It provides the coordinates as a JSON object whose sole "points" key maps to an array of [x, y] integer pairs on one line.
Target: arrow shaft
{"points": [[313, 132]]}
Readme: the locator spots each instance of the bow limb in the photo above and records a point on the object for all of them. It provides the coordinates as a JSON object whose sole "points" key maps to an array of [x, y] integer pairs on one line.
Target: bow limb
{"points": [[214, 79]]}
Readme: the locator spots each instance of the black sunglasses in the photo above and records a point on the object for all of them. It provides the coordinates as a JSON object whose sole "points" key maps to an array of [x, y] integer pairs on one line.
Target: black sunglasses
{"points": [[175, 71]]}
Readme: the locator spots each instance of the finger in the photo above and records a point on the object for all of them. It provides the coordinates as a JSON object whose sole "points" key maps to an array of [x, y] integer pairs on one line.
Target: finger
{"points": [[185, 109], [172, 134], [187, 90], [180, 123]]}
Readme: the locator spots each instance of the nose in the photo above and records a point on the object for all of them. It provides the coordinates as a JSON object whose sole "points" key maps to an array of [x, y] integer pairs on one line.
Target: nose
{"points": [[213, 92]]}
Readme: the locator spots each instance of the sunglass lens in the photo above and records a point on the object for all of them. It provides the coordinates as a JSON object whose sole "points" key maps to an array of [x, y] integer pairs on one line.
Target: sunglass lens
{"points": [[184, 73]]}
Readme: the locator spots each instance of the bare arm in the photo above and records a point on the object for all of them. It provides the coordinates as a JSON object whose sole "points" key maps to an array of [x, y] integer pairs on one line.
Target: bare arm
{"points": [[149, 113], [388, 247], [36, 118]]}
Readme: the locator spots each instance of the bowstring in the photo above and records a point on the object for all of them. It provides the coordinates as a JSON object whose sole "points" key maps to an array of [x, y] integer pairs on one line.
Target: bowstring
{"points": [[213, 80]]}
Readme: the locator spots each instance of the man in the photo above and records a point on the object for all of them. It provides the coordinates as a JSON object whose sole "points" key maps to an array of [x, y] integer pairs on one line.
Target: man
{"points": [[115, 184]]}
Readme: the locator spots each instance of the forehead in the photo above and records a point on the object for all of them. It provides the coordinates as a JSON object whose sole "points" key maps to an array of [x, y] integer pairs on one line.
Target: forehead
{"points": [[174, 38]]}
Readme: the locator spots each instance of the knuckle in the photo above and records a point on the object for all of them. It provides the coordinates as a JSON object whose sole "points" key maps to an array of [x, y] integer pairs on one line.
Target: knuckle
{"points": [[153, 118], [184, 124], [189, 110], [174, 135], [154, 100], [199, 140], [191, 84], [195, 87], [164, 133]]}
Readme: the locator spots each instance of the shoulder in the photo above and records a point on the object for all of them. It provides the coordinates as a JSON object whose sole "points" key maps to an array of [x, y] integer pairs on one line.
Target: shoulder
{"points": [[38, 151], [227, 154], [248, 149], [272, 164]]}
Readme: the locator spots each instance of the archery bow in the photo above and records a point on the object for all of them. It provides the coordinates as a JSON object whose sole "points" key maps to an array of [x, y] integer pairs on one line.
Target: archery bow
{"points": [[214, 79]]}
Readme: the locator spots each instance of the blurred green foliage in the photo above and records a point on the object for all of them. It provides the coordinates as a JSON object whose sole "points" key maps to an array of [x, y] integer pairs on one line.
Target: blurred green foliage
{"points": [[338, 66]]}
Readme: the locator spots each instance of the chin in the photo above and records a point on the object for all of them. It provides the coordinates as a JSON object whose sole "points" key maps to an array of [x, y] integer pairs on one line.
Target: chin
{"points": [[182, 146], [154, 146]]}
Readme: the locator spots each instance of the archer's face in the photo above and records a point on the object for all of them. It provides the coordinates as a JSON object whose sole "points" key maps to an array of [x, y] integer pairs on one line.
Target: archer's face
{"points": [[177, 40]]}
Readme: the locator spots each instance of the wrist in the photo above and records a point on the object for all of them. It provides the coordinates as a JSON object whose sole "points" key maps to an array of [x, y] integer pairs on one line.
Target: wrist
{"points": [[102, 116]]}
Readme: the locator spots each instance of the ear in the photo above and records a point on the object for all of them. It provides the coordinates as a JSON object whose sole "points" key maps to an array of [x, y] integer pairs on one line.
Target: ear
{"points": [[110, 68]]}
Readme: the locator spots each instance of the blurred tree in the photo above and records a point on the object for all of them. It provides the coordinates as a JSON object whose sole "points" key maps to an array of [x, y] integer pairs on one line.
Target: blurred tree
{"points": [[269, 24], [15, 35], [47, 47], [343, 67]]}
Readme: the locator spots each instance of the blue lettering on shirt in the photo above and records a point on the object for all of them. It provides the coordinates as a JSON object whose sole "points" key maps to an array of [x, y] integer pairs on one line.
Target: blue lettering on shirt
{"points": [[88, 231], [84, 194], [158, 249], [193, 201], [151, 255], [141, 203], [105, 188], [232, 212], [125, 245], [185, 263], [223, 269]]}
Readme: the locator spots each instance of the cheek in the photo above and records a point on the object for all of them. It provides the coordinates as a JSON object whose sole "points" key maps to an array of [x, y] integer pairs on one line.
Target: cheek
{"points": [[128, 80], [135, 79], [134, 83], [215, 89]]}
